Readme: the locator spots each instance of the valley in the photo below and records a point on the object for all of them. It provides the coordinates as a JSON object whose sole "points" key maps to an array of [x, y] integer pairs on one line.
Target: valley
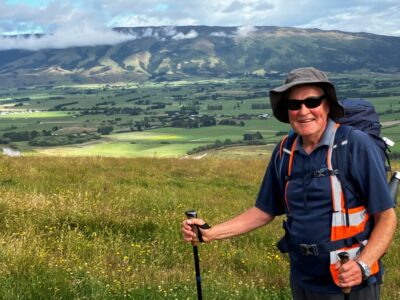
{"points": [[166, 119]]}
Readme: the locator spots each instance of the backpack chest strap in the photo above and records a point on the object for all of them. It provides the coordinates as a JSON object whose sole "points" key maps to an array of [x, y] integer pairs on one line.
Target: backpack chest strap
{"points": [[290, 243], [323, 172]]}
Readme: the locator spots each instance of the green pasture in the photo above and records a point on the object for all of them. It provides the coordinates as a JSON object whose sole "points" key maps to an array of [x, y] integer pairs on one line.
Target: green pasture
{"points": [[119, 149], [211, 134], [33, 96], [230, 107], [176, 142], [242, 152], [389, 117], [34, 115], [393, 134], [147, 136], [175, 95], [38, 121], [163, 142], [109, 228], [98, 86], [205, 134], [383, 104]]}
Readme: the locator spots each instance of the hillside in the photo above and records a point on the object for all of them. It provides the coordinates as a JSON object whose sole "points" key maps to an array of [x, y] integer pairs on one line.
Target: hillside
{"points": [[167, 53], [101, 228]]}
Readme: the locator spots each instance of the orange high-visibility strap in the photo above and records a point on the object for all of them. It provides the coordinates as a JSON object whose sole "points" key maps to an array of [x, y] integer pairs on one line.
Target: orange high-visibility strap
{"points": [[282, 145], [292, 156], [290, 170], [357, 217]]}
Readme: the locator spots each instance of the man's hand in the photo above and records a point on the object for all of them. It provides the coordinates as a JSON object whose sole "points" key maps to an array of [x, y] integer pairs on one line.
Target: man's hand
{"points": [[189, 235], [349, 274]]}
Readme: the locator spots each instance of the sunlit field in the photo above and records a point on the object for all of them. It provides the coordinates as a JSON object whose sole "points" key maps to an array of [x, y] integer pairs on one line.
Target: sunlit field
{"points": [[109, 228], [164, 119], [165, 142], [34, 115], [119, 149]]}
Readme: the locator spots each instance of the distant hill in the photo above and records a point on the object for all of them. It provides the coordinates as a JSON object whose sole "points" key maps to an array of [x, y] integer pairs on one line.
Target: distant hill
{"points": [[166, 53]]}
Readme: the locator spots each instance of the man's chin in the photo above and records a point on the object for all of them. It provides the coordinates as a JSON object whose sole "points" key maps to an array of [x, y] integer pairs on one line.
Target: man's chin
{"points": [[305, 129]]}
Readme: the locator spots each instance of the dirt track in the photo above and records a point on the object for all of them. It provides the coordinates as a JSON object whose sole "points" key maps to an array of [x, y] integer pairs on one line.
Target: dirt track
{"points": [[390, 123]]}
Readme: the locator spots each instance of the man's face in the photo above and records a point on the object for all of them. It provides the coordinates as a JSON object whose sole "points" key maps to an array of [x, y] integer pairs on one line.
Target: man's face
{"points": [[309, 123]]}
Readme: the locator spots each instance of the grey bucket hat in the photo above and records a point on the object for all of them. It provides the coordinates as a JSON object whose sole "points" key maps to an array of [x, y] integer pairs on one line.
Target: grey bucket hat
{"points": [[304, 76]]}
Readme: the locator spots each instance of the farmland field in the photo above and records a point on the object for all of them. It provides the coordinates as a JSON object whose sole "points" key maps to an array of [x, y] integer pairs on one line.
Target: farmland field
{"points": [[166, 119]]}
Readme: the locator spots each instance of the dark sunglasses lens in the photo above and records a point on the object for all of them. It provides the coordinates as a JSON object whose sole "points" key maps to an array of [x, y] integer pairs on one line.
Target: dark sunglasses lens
{"points": [[311, 102], [294, 104]]}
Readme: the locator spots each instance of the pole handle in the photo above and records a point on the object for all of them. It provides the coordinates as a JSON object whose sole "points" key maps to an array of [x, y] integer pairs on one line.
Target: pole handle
{"points": [[344, 258], [394, 186], [192, 214]]}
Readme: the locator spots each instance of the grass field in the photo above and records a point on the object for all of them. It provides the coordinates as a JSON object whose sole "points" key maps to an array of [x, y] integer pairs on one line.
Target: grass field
{"points": [[109, 228], [163, 142], [96, 105], [35, 115], [119, 149]]}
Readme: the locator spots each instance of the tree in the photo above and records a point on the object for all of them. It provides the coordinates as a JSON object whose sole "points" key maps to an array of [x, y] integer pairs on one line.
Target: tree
{"points": [[253, 136], [139, 125], [105, 130]]}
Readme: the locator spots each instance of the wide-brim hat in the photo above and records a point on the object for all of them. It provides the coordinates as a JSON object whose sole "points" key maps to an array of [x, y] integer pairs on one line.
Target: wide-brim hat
{"points": [[304, 76]]}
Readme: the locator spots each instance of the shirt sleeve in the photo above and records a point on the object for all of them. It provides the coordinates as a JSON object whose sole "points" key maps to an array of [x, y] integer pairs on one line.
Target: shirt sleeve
{"points": [[270, 198], [367, 168]]}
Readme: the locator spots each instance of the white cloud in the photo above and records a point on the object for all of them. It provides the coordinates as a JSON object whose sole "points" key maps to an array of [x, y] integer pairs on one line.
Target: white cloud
{"points": [[181, 36], [244, 31], [234, 7], [148, 32], [65, 38], [169, 31], [150, 18], [218, 34], [376, 16], [360, 19]]}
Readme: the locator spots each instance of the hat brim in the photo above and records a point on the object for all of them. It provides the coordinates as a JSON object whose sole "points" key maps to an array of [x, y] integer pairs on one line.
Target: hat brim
{"points": [[278, 101]]}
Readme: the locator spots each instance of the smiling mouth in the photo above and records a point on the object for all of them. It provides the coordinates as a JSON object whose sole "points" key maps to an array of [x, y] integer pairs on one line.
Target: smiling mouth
{"points": [[305, 121]]}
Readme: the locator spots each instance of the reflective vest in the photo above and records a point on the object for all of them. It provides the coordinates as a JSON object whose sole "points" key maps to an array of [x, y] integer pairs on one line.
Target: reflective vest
{"points": [[346, 223]]}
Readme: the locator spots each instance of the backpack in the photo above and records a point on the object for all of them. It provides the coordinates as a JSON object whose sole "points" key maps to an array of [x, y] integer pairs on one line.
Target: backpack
{"points": [[361, 114], [358, 114]]}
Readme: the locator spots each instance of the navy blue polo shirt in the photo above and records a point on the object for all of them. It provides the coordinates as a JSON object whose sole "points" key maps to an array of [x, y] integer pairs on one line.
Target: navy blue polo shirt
{"points": [[310, 204]]}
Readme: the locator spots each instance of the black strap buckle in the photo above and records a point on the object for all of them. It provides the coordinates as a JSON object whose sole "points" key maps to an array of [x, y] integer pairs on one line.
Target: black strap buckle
{"points": [[309, 249], [334, 172], [320, 173], [324, 172]]}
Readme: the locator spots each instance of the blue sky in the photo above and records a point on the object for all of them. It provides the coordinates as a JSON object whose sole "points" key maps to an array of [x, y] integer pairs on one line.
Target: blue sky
{"points": [[75, 17], [29, 2]]}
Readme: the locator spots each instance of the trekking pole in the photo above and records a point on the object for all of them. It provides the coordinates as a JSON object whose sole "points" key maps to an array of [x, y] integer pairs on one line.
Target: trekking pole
{"points": [[394, 186], [190, 215], [344, 258]]}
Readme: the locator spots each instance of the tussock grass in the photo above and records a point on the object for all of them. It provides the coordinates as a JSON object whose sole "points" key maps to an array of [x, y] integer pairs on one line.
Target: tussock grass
{"points": [[108, 228]]}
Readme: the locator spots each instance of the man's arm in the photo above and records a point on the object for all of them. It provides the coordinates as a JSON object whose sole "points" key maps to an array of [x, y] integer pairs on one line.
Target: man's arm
{"points": [[378, 243], [381, 236], [245, 222]]}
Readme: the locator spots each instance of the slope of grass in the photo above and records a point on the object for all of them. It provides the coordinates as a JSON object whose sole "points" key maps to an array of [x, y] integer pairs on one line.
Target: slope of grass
{"points": [[108, 228]]}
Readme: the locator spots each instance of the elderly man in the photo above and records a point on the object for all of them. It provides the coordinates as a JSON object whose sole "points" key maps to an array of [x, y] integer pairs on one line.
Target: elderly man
{"points": [[313, 204]]}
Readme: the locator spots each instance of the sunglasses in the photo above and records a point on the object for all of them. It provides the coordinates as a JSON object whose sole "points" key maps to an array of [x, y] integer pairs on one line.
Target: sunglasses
{"points": [[310, 102]]}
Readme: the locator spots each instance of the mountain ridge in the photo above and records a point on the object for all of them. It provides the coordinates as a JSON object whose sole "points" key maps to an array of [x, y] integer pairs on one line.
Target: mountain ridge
{"points": [[169, 53]]}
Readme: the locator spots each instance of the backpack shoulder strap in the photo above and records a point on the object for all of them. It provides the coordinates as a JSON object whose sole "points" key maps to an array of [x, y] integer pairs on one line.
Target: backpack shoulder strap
{"points": [[342, 157], [282, 165]]}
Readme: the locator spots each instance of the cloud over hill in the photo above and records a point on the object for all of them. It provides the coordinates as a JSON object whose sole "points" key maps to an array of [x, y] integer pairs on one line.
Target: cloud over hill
{"points": [[162, 53]]}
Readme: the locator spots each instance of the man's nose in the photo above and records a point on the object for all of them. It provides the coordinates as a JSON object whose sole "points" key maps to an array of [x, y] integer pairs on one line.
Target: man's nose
{"points": [[303, 109]]}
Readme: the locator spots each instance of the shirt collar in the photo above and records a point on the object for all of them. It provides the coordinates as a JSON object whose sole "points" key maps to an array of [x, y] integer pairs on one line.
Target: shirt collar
{"points": [[329, 130]]}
